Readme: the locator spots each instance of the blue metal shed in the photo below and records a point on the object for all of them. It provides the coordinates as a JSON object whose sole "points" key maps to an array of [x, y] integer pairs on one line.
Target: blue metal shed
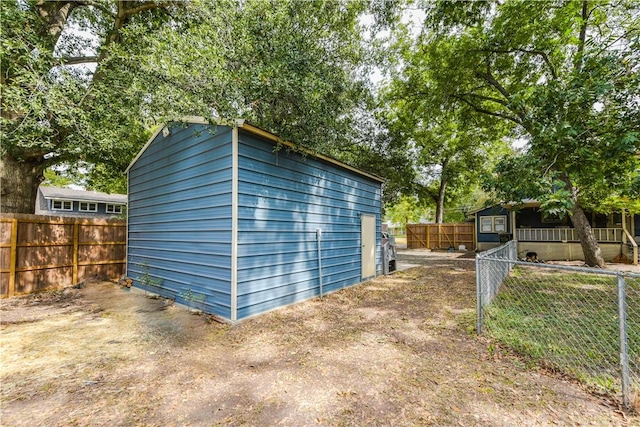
{"points": [[218, 215]]}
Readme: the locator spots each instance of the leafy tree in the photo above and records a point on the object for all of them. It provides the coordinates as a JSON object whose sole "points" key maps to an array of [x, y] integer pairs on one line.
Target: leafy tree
{"points": [[453, 146], [407, 209], [54, 112], [293, 68], [453, 155], [290, 67], [54, 178], [567, 74], [374, 147]]}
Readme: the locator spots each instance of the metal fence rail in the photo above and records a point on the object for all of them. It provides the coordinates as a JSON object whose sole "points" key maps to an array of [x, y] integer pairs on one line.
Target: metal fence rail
{"points": [[582, 322], [488, 280]]}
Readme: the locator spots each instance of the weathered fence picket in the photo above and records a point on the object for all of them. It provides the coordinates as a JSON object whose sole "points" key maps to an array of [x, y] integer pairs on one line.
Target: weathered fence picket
{"points": [[47, 252]]}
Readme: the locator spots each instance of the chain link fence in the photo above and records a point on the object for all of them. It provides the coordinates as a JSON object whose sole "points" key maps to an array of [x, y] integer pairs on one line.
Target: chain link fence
{"points": [[582, 322]]}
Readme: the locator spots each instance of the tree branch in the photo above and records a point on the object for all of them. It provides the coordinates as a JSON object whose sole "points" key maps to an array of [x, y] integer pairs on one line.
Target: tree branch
{"points": [[625, 35], [540, 53], [145, 6], [551, 165], [85, 96], [120, 20], [98, 6], [56, 15], [478, 109], [75, 60], [486, 98], [583, 34], [488, 77]]}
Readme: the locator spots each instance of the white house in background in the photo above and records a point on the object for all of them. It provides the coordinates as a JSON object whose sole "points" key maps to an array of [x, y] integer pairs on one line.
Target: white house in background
{"points": [[79, 203]]}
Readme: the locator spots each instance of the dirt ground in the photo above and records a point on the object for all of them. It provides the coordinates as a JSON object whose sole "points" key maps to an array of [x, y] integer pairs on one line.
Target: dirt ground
{"points": [[399, 350]]}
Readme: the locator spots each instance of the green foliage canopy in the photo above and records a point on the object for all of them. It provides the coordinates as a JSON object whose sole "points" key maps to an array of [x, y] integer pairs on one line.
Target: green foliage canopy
{"points": [[407, 209], [567, 74], [453, 146], [293, 68]]}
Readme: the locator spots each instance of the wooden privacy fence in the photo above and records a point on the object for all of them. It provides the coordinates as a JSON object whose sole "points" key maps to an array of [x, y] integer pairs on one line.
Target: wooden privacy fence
{"points": [[48, 252], [440, 236]]}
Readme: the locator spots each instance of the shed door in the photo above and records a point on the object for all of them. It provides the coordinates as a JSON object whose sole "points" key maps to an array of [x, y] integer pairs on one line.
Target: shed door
{"points": [[368, 237]]}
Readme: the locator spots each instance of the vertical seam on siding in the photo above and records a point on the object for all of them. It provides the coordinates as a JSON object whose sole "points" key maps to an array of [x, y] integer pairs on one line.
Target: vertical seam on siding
{"points": [[234, 224], [126, 231]]}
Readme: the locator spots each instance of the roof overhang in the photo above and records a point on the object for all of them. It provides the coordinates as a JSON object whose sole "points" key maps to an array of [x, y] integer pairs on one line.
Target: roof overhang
{"points": [[242, 124], [195, 120], [268, 135], [56, 193], [527, 203]]}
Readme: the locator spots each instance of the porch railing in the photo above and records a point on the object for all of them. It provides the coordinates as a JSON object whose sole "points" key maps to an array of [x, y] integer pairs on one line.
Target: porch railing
{"points": [[603, 235]]}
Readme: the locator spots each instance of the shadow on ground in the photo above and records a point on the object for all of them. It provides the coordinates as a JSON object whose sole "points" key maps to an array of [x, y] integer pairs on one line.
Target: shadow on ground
{"points": [[398, 350]]}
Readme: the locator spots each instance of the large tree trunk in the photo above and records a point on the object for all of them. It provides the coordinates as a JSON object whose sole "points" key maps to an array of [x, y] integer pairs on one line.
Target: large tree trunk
{"points": [[590, 246], [440, 201], [19, 181], [442, 191]]}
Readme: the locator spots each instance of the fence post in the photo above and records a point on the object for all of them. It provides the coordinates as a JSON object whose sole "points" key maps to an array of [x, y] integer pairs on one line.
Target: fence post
{"points": [[428, 234], [13, 258], [624, 347], [455, 237], [76, 234], [478, 297]]}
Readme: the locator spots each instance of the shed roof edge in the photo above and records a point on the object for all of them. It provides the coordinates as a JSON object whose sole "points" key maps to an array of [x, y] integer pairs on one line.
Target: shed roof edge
{"points": [[268, 135], [240, 123]]}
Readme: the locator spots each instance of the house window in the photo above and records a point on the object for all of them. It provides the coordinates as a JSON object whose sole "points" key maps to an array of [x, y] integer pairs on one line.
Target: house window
{"points": [[62, 205], [88, 207], [114, 209], [493, 224]]}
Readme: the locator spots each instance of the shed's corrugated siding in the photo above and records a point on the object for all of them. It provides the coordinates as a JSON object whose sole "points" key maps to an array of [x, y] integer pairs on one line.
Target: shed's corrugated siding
{"points": [[283, 198], [180, 217]]}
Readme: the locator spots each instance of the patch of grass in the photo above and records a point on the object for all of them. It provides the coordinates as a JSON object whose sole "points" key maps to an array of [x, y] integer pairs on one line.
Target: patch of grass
{"points": [[467, 322], [567, 322]]}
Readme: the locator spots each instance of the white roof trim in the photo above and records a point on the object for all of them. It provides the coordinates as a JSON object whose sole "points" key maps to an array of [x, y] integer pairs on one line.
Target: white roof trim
{"points": [[68, 194], [72, 199], [196, 120], [144, 148]]}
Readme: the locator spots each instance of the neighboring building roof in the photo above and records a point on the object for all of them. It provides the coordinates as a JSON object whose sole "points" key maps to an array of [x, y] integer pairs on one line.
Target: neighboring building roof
{"points": [[526, 203], [240, 123], [55, 193], [82, 195]]}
